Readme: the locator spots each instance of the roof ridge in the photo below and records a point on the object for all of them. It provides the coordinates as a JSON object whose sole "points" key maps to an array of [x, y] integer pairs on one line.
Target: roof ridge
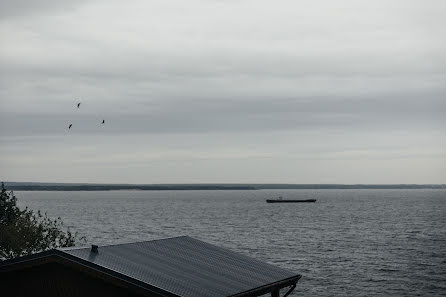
{"points": [[117, 244]]}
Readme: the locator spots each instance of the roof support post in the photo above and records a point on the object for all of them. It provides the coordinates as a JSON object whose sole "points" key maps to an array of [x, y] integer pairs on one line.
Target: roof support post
{"points": [[275, 293]]}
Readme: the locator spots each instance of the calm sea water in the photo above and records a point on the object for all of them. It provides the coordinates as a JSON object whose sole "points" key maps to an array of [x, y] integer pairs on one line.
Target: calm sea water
{"points": [[348, 243]]}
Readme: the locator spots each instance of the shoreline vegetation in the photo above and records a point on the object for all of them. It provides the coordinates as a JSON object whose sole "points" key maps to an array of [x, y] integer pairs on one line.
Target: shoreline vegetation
{"points": [[24, 231], [31, 186]]}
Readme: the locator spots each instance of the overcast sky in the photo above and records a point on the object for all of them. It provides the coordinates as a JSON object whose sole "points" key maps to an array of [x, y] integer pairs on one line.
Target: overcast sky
{"points": [[205, 91]]}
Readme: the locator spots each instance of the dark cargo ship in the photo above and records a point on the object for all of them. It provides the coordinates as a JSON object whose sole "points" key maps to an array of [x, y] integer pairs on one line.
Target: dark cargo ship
{"points": [[281, 200]]}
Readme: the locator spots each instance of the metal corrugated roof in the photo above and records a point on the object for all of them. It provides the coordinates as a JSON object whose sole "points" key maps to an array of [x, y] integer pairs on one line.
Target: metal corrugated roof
{"points": [[184, 266]]}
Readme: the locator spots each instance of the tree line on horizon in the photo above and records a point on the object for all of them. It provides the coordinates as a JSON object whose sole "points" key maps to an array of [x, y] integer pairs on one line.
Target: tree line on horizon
{"points": [[19, 186]]}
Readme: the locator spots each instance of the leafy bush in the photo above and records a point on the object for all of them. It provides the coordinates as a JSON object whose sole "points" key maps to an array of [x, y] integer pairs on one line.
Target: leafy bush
{"points": [[24, 232]]}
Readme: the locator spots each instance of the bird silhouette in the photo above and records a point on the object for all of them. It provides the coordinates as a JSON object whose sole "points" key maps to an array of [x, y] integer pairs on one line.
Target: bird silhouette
{"points": [[69, 127], [79, 104], [103, 121]]}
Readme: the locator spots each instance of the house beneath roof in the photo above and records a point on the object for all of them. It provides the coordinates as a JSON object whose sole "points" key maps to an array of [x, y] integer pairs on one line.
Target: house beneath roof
{"points": [[173, 267]]}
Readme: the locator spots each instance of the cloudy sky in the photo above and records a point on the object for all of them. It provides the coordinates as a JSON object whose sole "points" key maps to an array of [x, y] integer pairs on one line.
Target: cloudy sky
{"points": [[223, 91]]}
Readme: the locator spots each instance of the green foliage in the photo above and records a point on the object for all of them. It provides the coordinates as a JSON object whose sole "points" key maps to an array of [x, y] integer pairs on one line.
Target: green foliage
{"points": [[24, 232]]}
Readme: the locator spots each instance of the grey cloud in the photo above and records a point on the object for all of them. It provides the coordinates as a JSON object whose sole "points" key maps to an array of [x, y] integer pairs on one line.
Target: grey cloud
{"points": [[214, 80], [241, 116], [20, 8]]}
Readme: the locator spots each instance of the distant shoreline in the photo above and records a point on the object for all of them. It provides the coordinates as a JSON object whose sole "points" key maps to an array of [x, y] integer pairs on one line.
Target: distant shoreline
{"points": [[24, 186]]}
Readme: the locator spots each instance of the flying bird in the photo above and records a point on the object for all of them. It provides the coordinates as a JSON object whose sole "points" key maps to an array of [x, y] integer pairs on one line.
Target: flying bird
{"points": [[79, 104], [69, 127]]}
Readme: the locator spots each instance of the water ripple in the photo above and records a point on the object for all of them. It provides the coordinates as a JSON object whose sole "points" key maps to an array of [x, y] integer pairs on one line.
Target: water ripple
{"points": [[349, 243]]}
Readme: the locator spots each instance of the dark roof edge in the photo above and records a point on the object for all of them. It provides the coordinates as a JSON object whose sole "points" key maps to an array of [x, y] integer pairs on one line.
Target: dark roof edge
{"points": [[117, 275], [116, 244], [27, 258], [268, 288], [89, 265]]}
